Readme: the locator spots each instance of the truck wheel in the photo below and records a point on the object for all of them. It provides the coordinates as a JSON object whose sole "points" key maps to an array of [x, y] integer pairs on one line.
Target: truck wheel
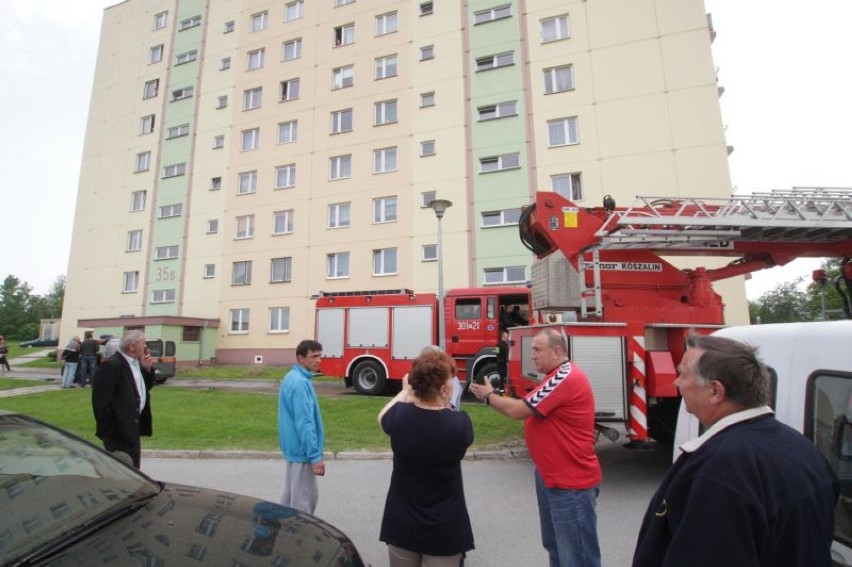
{"points": [[369, 378], [488, 371]]}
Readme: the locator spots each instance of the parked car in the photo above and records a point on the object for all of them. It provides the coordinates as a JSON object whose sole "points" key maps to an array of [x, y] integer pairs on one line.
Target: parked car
{"points": [[68, 502], [41, 342]]}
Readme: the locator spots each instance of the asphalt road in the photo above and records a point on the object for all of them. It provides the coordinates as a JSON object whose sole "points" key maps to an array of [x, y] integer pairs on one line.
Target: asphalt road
{"points": [[500, 497]]}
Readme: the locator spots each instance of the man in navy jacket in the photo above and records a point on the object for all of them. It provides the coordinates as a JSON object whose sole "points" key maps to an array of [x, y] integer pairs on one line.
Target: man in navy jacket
{"points": [[750, 491]]}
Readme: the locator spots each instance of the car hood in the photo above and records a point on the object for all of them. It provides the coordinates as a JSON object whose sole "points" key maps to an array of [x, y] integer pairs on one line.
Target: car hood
{"points": [[185, 525]]}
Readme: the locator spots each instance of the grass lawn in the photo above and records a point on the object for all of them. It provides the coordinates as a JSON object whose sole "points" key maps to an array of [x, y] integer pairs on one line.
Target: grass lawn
{"points": [[222, 420], [10, 383]]}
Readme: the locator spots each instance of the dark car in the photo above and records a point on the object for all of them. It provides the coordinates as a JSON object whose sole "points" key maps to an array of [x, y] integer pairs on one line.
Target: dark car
{"points": [[41, 342], [67, 502]]}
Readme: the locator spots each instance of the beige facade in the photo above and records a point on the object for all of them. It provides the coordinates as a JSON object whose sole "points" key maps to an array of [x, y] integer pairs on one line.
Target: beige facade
{"points": [[242, 156]]}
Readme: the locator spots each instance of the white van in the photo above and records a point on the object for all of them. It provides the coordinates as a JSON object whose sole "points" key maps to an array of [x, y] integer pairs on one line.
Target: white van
{"points": [[812, 370]]}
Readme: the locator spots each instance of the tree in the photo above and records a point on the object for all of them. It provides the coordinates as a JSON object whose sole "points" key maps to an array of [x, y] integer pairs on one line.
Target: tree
{"points": [[783, 304], [16, 302], [833, 300]]}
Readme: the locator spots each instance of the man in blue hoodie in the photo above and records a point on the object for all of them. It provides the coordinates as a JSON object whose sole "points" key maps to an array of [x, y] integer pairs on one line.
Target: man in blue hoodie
{"points": [[300, 431]]}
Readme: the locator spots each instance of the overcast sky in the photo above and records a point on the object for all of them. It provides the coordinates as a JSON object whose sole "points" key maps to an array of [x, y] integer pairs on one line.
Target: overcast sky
{"points": [[783, 63]]}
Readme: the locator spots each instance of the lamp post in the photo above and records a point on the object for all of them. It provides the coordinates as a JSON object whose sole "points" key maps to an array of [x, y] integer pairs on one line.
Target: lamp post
{"points": [[440, 206]]}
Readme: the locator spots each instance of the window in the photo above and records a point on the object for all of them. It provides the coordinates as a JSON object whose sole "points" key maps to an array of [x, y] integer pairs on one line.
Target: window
{"points": [[554, 29], [215, 183], [177, 131], [499, 163], [337, 265], [495, 61], [248, 182], [387, 23], [163, 296], [562, 131], [384, 209], [258, 21], [282, 222], [241, 273], [569, 185], [344, 35], [229, 26], [249, 139], [222, 101], [155, 54], [501, 218], [427, 52], [285, 176], [343, 2], [212, 226], [279, 319], [209, 271], [288, 132], [427, 99], [190, 23], [339, 215], [294, 10], [499, 110], [281, 270], [385, 112], [507, 275], [384, 261], [290, 89], [384, 160], [429, 253], [340, 167], [146, 124], [143, 161], [427, 148], [291, 49], [181, 94], [151, 89], [218, 141], [160, 20], [244, 227], [427, 197], [252, 98], [341, 121], [166, 253], [491, 14], [168, 211], [342, 77], [255, 59], [386, 67], [239, 320], [558, 79], [426, 8], [137, 200], [225, 64], [468, 308], [131, 282], [187, 57], [174, 170], [134, 240]]}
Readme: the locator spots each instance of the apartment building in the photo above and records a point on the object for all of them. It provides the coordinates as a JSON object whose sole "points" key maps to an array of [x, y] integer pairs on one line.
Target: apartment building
{"points": [[242, 156]]}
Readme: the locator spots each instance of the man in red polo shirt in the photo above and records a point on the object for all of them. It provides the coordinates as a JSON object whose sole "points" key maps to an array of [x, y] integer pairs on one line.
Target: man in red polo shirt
{"points": [[559, 427]]}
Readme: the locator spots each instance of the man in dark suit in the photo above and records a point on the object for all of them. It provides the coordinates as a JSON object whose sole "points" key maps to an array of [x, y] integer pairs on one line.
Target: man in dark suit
{"points": [[120, 396]]}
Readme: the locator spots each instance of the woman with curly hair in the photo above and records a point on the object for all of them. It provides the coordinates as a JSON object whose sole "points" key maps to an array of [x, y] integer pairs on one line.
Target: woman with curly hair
{"points": [[425, 521]]}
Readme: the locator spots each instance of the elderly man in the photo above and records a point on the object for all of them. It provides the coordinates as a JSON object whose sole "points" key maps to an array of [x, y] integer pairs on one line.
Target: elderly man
{"points": [[750, 491], [121, 398], [559, 428]]}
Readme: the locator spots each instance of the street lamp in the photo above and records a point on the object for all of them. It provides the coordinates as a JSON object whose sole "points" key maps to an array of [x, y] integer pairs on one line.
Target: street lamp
{"points": [[440, 206]]}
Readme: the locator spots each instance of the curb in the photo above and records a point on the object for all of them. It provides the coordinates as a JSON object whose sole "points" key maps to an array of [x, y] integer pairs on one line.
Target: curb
{"points": [[520, 454]]}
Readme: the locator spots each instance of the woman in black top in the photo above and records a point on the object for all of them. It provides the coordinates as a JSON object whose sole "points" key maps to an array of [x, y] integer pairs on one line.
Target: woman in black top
{"points": [[425, 511]]}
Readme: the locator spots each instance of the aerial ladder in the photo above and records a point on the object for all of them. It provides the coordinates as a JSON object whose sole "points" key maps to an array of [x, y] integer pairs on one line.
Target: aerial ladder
{"points": [[611, 279]]}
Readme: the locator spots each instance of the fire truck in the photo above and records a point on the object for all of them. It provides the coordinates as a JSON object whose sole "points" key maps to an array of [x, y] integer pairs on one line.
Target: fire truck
{"points": [[625, 311], [372, 337]]}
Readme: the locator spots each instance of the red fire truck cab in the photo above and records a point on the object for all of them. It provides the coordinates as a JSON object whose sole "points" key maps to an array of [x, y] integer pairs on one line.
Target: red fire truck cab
{"points": [[371, 337]]}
